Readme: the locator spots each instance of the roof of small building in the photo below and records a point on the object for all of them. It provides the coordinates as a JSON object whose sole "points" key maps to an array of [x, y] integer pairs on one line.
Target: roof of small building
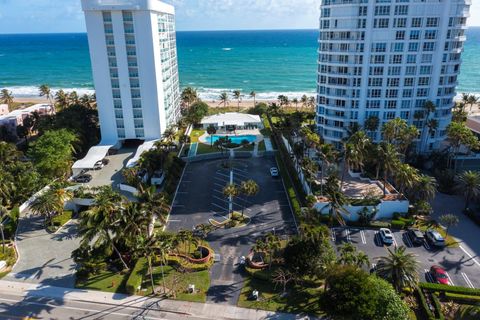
{"points": [[473, 123], [231, 118], [29, 110]]}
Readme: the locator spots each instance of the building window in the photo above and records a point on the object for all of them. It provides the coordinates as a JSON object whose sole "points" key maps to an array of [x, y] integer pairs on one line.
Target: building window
{"points": [[401, 10], [432, 22], [414, 35], [416, 22], [411, 70], [413, 47], [382, 23], [400, 35], [382, 10], [400, 22]]}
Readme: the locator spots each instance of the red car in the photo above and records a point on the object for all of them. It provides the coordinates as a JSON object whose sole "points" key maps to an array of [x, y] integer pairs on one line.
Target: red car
{"points": [[439, 275]]}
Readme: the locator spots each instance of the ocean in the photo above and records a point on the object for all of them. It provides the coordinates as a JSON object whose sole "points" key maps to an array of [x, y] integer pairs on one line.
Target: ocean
{"points": [[269, 62]]}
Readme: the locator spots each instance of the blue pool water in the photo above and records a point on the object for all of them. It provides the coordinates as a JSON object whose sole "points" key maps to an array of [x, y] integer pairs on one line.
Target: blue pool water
{"points": [[233, 139]]}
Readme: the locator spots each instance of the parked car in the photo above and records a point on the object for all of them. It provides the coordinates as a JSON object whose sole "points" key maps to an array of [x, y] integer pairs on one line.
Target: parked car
{"points": [[435, 238], [416, 236], [98, 165], [439, 275], [84, 178], [386, 235], [274, 172]]}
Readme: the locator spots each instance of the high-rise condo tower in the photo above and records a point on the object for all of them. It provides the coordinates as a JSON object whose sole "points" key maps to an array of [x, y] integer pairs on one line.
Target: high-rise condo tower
{"points": [[134, 62], [384, 59]]}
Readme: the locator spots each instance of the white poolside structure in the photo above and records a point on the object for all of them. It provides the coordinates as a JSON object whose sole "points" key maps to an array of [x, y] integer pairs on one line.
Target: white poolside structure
{"points": [[135, 71], [232, 121]]}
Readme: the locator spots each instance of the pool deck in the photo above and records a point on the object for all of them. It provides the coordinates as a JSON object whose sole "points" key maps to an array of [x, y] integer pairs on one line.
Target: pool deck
{"points": [[256, 133]]}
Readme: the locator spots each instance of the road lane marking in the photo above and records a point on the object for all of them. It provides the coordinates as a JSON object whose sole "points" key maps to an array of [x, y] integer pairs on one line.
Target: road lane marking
{"points": [[471, 257], [467, 280], [362, 235], [426, 245], [408, 240], [349, 238], [449, 279]]}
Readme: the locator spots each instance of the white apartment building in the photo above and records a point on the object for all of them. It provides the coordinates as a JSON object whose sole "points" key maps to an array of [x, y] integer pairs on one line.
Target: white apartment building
{"points": [[386, 59], [134, 62]]}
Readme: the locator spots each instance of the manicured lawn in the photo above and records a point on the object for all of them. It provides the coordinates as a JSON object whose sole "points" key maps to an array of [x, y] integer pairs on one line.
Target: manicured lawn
{"points": [[180, 281], [8, 256], [261, 146], [63, 218], [105, 281], [299, 299], [196, 133], [205, 148]]}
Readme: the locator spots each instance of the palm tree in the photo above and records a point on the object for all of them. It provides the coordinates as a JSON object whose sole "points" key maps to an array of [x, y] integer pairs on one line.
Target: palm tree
{"points": [[224, 99], [145, 247], [399, 268], [429, 108], [389, 163], [237, 94], [230, 191], [312, 102], [449, 220], [50, 202], [371, 125], [189, 96], [405, 177], [249, 188], [44, 91], [468, 184], [61, 99], [3, 214], [295, 102], [326, 153], [162, 250], [304, 101], [73, 98], [350, 256], [253, 95], [424, 188], [100, 224], [472, 100], [337, 200], [169, 134], [6, 97]]}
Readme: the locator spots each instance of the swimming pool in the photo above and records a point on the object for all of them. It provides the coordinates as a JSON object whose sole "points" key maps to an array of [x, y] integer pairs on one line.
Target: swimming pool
{"points": [[233, 139]]}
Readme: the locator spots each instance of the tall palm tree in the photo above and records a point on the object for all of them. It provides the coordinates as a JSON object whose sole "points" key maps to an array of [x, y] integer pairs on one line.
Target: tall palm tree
{"points": [[337, 200], [468, 184], [405, 177], [237, 94], [273, 244], [230, 191], [253, 95], [154, 205], [428, 109], [249, 188], [224, 99], [162, 249], [44, 91], [389, 156], [146, 247], [73, 98], [472, 100], [189, 96], [61, 99], [169, 134], [304, 101], [399, 268], [371, 125], [424, 188], [312, 102], [6, 97], [50, 202], [295, 102], [3, 214]]}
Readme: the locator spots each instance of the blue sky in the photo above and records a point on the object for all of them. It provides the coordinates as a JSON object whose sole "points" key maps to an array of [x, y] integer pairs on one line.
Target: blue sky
{"points": [[47, 16]]}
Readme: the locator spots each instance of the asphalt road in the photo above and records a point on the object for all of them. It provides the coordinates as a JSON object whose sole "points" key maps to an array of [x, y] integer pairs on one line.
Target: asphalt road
{"points": [[462, 267], [18, 307], [200, 198]]}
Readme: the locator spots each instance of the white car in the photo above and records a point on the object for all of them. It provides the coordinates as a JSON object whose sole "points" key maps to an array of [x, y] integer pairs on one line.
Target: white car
{"points": [[386, 235], [274, 172]]}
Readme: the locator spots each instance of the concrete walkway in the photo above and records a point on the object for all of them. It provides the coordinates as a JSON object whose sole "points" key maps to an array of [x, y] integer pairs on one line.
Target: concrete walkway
{"points": [[193, 150], [268, 144], [466, 231], [45, 258], [187, 310]]}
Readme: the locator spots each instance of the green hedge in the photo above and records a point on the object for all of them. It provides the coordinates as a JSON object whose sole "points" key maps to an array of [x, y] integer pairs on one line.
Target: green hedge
{"points": [[438, 307], [462, 298], [263, 275], [135, 279], [447, 288], [424, 305], [397, 224], [179, 262]]}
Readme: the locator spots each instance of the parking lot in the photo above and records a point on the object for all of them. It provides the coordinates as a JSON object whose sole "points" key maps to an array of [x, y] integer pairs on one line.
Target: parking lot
{"points": [[463, 268], [200, 198]]}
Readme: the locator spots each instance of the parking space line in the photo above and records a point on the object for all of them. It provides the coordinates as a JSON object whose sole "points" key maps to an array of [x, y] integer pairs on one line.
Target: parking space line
{"points": [[219, 185], [449, 279], [467, 280], [218, 206], [220, 179], [236, 169], [334, 235], [362, 235], [471, 257], [349, 238], [408, 240], [223, 175], [426, 245], [428, 276], [395, 243], [218, 198]]}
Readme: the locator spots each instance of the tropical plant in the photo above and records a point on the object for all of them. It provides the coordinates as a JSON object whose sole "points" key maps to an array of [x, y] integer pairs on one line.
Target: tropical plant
{"points": [[230, 191], [272, 242], [371, 125], [211, 130], [389, 162], [282, 277], [169, 134], [424, 188], [6, 97], [337, 200], [50, 202], [3, 214], [399, 268], [304, 101], [405, 177], [253, 95], [189, 96], [249, 188], [449, 220], [237, 94], [349, 255], [468, 184], [224, 99], [44, 91]]}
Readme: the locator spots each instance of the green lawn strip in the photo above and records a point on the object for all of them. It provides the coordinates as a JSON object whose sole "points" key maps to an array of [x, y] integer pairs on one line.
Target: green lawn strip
{"points": [[63, 218], [206, 149], [173, 278], [261, 146], [217, 110], [300, 299], [3, 274], [196, 133], [107, 281], [9, 255]]}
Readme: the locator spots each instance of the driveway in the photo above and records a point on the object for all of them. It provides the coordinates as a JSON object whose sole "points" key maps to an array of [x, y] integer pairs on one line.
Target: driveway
{"points": [[200, 198], [45, 258]]}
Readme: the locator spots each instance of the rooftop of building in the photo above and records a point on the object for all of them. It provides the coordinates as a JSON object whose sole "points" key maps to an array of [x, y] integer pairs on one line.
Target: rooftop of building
{"points": [[232, 118], [26, 111]]}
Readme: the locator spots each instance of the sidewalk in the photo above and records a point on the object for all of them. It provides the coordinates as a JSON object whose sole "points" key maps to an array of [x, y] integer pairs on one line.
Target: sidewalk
{"points": [[187, 309]]}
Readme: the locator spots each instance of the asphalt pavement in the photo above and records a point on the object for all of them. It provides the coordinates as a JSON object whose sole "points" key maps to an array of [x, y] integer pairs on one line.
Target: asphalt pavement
{"points": [[200, 198], [462, 267]]}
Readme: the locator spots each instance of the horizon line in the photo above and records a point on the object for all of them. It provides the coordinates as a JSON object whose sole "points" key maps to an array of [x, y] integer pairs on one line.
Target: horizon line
{"points": [[206, 30]]}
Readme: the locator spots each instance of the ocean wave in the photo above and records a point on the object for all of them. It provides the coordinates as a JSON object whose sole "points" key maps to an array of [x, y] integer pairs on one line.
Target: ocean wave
{"points": [[32, 91], [227, 49], [214, 94]]}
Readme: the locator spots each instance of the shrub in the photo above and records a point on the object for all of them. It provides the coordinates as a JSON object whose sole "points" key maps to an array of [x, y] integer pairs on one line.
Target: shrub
{"points": [[135, 279], [447, 288], [379, 224], [438, 307], [424, 305], [397, 224], [264, 275], [462, 298], [11, 226]]}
